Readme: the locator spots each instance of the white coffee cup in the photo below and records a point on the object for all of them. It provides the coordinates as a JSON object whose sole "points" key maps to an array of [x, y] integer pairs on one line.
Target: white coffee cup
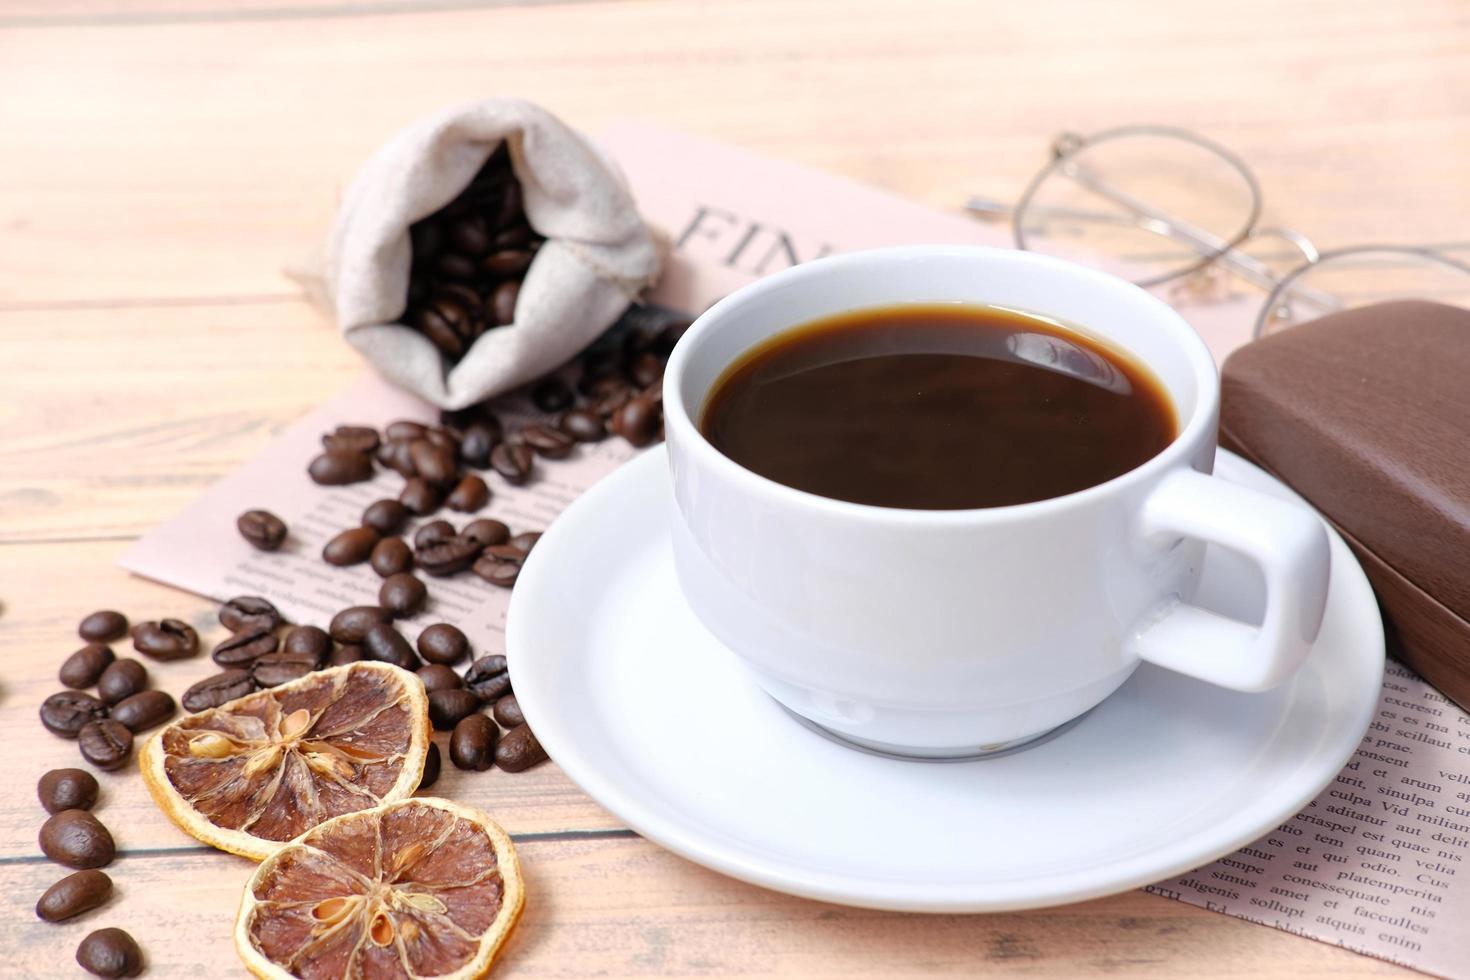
{"points": [[950, 633]]}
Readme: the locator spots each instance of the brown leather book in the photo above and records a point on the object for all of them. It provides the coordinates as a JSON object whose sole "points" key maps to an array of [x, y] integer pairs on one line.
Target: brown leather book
{"points": [[1366, 413]]}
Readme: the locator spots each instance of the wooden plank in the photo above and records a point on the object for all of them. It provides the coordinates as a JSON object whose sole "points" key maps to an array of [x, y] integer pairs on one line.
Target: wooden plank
{"points": [[195, 159], [83, 13], [628, 908]]}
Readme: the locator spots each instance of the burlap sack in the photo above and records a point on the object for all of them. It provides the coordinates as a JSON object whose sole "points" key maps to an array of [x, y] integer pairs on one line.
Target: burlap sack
{"points": [[597, 257]]}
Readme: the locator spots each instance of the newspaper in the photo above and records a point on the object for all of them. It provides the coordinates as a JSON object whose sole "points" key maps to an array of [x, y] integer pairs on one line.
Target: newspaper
{"points": [[1373, 864]]}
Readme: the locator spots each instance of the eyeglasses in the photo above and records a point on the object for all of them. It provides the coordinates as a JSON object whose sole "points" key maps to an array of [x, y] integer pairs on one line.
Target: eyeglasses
{"points": [[1160, 205]]}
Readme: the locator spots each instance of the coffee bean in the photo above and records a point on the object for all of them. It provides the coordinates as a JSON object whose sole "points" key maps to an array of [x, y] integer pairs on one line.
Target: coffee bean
{"points": [[394, 455], [438, 677], [217, 690], [480, 438], [448, 707], [83, 668], [351, 624], [242, 649], [262, 529], [67, 712], [122, 678], [645, 369], [486, 532], [635, 342], [637, 421], [503, 300], [78, 892], [108, 743], [455, 266], [144, 710], [441, 333], [308, 639], [598, 387], [391, 556], [469, 235], [469, 495], [548, 442], [386, 645], [67, 789], [488, 678], [170, 639], [512, 462], [448, 557], [432, 533], [506, 552], [403, 595], [432, 462], [519, 750], [351, 653], [110, 953], [103, 626], [444, 438], [280, 668], [432, 765], [77, 839], [507, 712], [336, 468], [352, 438], [405, 429], [583, 426], [385, 516], [420, 497], [351, 547], [598, 363], [443, 643], [525, 541], [249, 612], [506, 263], [497, 571], [472, 744]]}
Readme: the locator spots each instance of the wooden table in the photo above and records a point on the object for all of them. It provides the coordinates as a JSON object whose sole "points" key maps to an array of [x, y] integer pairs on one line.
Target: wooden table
{"points": [[163, 160]]}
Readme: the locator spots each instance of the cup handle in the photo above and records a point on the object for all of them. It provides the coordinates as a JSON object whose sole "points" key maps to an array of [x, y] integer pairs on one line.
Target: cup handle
{"points": [[1289, 544]]}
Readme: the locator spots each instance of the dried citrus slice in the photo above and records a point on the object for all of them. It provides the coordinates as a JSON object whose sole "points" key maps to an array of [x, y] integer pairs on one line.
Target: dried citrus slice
{"points": [[418, 888], [257, 771]]}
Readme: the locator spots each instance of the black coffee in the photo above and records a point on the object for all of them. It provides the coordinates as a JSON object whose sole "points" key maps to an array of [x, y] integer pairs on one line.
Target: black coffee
{"points": [[938, 408]]}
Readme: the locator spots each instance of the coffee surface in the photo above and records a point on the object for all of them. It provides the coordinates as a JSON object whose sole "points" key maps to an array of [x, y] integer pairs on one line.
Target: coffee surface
{"points": [[937, 407]]}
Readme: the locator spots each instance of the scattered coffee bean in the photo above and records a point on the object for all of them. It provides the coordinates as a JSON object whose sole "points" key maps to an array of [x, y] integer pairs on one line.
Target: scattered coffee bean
{"points": [[506, 552], [67, 712], [122, 678], [488, 678], [264, 530], [404, 430], [385, 516], [403, 595], [551, 395], [279, 668], [217, 690], [438, 677], [350, 653], [432, 765], [420, 496], [507, 712], [637, 421], [480, 438], [432, 462], [386, 645], [432, 533], [77, 839], [448, 557], [351, 624], [525, 541], [519, 750], [472, 743], [67, 789], [103, 626], [108, 743], [352, 439], [548, 442], [308, 639], [249, 612], [351, 547], [486, 532], [497, 571], [443, 643], [448, 707], [81, 891], [469, 495], [583, 426], [513, 463], [608, 405], [244, 647], [85, 667], [336, 468], [170, 639], [645, 370], [394, 455], [110, 953], [142, 711], [391, 556]]}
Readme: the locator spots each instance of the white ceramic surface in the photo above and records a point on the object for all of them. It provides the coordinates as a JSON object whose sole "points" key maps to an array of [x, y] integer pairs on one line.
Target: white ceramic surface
{"points": [[951, 633], [662, 725]]}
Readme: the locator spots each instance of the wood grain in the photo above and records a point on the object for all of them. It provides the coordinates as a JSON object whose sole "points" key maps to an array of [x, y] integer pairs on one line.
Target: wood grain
{"points": [[164, 163]]}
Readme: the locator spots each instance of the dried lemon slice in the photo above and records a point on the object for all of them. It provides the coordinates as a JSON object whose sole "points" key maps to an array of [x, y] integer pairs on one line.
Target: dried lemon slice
{"points": [[418, 888], [255, 772]]}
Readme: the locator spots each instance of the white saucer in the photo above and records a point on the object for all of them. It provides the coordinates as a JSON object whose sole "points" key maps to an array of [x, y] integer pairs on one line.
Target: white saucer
{"points": [[658, 722]]}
